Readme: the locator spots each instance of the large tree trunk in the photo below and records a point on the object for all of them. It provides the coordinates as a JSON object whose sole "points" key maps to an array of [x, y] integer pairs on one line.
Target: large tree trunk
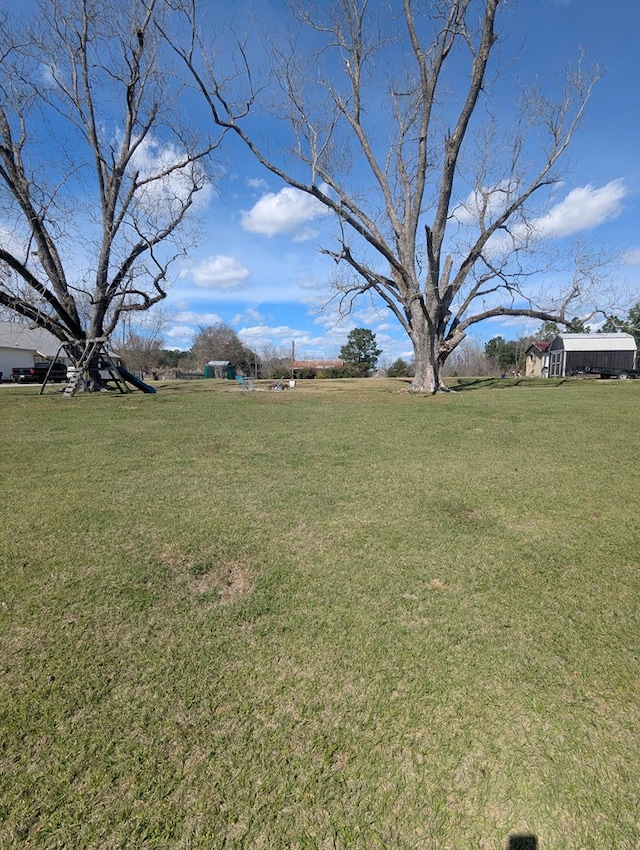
{"points": [[96, 383], [427, 348], [427, 375]]}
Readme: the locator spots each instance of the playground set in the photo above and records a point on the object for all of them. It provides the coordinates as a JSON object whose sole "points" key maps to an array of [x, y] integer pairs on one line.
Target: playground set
{"points": [[94, 350]]}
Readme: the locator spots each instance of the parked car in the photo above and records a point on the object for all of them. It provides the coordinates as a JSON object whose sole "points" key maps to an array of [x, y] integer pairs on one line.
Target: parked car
{"points": [[36, 374]]}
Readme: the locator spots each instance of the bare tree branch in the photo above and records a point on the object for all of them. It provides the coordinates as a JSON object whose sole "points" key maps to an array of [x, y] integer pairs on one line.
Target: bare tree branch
{"points": [[388, 148], [97, 172]]}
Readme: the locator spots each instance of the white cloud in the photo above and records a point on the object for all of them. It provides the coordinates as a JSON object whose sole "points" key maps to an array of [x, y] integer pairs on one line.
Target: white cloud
{"points": [[152, 158], [194, 317], [305, 235], [180, 332], [331, 318], [632, 258], [219, 272], [48, 74], [522, 324], [259, 335], [257, 183], [247, 314], [281, 336], [483, 202], [370, 316], [284, 213], [583, 209], [11, 243], [309, 282]]}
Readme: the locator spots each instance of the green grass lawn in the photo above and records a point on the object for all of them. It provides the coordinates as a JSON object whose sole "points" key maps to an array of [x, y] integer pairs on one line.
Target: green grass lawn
{"points": [[336, 617]]}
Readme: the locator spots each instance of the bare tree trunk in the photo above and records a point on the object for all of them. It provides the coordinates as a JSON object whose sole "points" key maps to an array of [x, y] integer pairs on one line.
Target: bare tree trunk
{"points": [[427, 379], [427, 354]]}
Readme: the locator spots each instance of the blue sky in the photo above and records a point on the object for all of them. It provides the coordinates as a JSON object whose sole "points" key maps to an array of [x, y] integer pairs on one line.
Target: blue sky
{"points": [[258, 267]]}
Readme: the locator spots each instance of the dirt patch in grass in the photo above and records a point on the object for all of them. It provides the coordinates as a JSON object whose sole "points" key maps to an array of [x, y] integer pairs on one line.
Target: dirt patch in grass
{"points": [[203, 573], [231, 583]]}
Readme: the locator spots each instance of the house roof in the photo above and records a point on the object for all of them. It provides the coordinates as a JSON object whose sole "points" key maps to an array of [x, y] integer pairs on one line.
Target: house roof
{"points": [[540, 346], [317, 364], [596, 342], [20, 336]]}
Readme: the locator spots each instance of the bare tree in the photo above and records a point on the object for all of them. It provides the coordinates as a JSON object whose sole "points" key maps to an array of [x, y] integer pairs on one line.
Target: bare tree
{"points": [[142, 343], [275, 361], [97, 171], [221, 342], [436, 200], [469, 359], [141, 353]]}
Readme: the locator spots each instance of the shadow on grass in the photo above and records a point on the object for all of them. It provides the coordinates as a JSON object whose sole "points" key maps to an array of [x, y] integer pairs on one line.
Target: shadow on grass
{"points": [[504, 383], [522, 842]]}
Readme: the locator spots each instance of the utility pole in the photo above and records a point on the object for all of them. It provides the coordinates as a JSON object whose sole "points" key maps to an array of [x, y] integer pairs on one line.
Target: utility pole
{"points": [[293, 356]]}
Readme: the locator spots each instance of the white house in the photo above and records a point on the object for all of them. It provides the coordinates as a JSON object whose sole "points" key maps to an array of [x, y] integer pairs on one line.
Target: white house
{"points": [[21, 346]]}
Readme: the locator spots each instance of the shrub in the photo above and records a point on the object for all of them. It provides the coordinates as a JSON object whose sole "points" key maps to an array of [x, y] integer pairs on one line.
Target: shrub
{"points": [[306, 373], [398, 369], [348, 370]]}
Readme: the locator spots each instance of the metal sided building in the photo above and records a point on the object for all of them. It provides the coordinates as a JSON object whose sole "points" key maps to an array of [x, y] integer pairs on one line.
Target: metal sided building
{"points": [[570, 353]]}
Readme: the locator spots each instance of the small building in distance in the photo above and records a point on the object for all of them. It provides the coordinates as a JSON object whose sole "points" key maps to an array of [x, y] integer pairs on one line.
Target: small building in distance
{"points": [[537, 359], [570, 353], [219, 369], [318, 364]]}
